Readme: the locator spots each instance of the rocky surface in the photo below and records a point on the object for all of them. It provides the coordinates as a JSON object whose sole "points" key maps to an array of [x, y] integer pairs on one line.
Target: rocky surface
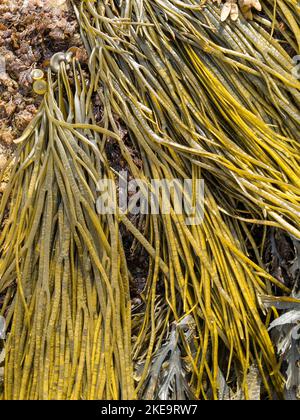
{"points": [[31, 31]]}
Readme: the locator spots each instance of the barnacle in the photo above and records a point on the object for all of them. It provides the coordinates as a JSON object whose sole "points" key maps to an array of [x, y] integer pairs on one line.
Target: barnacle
{"points": [[40, 87]]}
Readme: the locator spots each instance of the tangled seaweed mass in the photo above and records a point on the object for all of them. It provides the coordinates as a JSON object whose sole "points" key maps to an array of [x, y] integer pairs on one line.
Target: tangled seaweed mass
{"points": [[201, 91]]}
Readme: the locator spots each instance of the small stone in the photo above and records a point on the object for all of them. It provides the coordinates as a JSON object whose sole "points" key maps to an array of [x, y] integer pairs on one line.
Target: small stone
{"points": [[22, 119]]}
